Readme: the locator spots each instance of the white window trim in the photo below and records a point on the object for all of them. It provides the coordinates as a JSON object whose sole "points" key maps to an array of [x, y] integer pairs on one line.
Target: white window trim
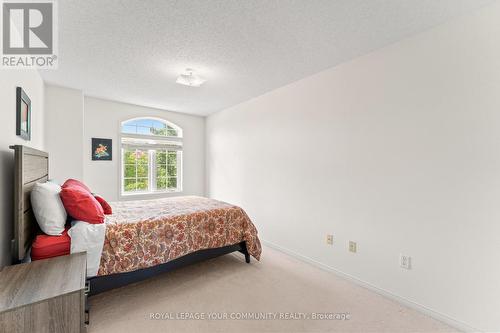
{"points": [[156, 193]]}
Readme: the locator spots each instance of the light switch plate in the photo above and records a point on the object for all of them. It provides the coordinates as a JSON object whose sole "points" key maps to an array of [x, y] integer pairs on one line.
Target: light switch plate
{"points": [[353, 247], [329, 239]]}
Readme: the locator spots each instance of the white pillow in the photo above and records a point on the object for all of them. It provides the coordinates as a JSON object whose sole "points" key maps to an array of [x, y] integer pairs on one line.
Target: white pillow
{"points": [[48, 208]]}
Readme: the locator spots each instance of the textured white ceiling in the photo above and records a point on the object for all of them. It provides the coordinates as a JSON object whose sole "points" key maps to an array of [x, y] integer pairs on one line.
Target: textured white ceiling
{"points": [[132, 51]]}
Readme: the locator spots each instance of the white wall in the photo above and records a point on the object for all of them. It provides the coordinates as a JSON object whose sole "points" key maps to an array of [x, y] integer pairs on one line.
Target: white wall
{"points": [[102, 120], [32, 84], [398, 150], [64, 134]]}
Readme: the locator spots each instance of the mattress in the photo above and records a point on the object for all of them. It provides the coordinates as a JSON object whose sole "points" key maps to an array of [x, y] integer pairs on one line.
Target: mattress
{"points": [[141, 234], [81, 237]]}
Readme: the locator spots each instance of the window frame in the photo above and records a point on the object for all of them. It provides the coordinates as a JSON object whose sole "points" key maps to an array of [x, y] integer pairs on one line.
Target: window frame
{"points": [[152, 190]]}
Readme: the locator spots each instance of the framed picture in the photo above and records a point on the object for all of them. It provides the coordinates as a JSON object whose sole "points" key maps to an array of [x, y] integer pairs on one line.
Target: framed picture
{"points": [[23, 114], [102, 149]]}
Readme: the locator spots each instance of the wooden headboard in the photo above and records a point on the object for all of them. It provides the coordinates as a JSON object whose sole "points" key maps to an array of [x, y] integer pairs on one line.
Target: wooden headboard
{"points": [[31, 167]]}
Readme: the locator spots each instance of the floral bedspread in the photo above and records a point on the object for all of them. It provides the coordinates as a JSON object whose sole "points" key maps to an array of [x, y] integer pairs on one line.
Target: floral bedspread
{"points": [[146, 233]]}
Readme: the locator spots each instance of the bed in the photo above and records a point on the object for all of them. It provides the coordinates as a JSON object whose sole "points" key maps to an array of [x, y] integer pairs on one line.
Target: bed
{"points": [[142, 238]]}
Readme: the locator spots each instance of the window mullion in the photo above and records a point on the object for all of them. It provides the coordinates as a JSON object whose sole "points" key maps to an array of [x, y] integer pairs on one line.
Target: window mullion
{"points": [[167, 174], [136, 167], [152, 170]]}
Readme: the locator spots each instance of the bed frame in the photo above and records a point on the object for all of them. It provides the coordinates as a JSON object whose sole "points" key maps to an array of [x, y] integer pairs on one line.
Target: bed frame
{"points": [[31, 167], [98, 284]]}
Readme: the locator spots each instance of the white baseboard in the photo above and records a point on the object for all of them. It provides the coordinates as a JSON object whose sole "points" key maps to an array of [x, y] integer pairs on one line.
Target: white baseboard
{"points": [[411, 304]]}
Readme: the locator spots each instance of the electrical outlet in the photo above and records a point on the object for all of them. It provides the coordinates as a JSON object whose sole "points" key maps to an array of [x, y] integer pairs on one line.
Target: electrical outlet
{"points": [[329, 239], [353, 247], [405, 261]]}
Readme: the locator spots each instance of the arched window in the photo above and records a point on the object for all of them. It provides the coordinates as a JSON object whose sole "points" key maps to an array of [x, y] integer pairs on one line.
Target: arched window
{"points": [[151, 156], [151, 126]]}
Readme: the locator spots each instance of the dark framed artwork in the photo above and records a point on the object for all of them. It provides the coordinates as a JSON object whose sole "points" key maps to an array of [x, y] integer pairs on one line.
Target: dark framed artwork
{"points": [[23, 114], [102, 149]]}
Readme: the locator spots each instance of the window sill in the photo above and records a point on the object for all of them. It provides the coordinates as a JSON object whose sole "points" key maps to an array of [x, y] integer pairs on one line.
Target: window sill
{"points": [[144, 195]]}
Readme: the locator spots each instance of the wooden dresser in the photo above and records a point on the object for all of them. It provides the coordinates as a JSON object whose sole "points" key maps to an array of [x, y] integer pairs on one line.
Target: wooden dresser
{"points": [[44, 296]]}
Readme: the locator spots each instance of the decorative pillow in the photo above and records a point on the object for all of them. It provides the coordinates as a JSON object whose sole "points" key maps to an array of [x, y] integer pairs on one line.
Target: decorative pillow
{"points": [[48, 208], [81, 204], [105, 205], [74, 182]]}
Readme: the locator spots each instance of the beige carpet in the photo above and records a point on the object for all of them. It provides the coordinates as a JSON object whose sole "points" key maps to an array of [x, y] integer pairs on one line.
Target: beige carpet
{"points": [[227, 286]]}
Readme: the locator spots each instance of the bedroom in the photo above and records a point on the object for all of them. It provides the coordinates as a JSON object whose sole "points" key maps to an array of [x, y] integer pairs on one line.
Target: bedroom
{"points": [[345, 149]]}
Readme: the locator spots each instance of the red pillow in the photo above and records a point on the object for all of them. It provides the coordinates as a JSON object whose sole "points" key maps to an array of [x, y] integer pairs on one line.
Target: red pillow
{"points": [[46, 246], [74, 182], [105, 205], [81, 205]]}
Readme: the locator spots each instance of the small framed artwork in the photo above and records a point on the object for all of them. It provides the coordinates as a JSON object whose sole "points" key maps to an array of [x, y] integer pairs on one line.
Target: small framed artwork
{"points": [[23, 114], [102, 149]]}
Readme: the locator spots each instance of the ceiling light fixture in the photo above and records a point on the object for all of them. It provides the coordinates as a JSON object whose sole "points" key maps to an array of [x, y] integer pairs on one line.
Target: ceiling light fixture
{"points": [[188, 78]]}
